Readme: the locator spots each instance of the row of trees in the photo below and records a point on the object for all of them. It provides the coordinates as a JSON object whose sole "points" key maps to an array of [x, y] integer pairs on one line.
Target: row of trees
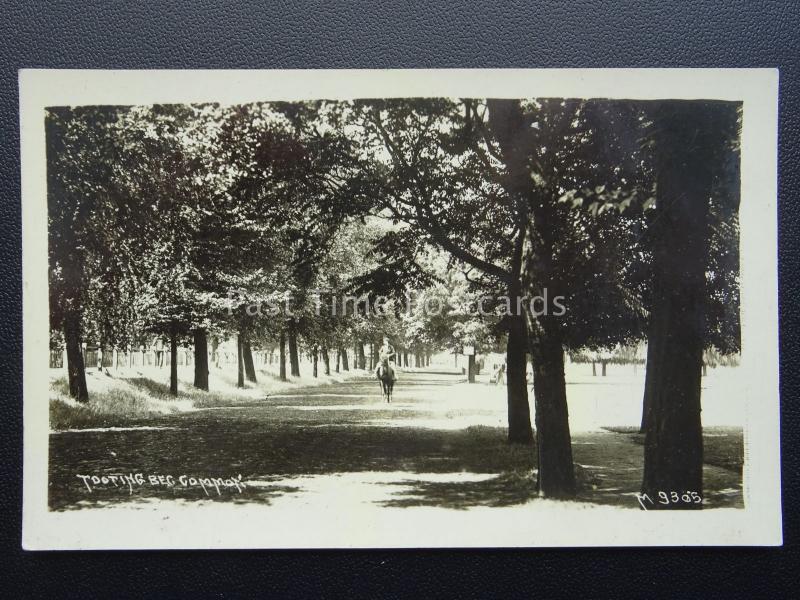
{"points": [[176, 219], [182, 221]]}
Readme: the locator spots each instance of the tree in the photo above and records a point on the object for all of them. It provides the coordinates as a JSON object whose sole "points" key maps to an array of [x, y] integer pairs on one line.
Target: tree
{"points": [[159, 174], [695, 145], [81, 153], [295, 183], [459, 173], [581, 262], [549, 149], [722, 323], [439, 176]]}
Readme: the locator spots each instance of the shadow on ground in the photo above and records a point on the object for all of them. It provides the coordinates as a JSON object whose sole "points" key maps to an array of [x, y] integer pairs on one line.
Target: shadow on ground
{"points": [[264, 450], [279, 444], [507, 489]]}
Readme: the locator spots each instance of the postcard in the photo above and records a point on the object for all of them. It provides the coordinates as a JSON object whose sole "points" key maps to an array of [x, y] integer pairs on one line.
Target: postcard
{"points": [[400, 309]]}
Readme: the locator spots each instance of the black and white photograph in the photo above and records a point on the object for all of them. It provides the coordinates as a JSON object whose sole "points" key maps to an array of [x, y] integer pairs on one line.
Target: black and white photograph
{"points": [[400, 309]]}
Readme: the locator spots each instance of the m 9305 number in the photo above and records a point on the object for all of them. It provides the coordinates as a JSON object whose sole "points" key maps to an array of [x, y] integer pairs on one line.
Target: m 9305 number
{"points": [[669, 498]]}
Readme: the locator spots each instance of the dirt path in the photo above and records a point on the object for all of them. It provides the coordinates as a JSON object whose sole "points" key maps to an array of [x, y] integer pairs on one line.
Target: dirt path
{"points": [[434, 446]]}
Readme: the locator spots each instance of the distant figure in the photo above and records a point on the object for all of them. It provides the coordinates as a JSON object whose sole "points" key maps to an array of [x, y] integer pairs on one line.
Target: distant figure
{"points": [[385, 354], [385, 372], [500, 374]]}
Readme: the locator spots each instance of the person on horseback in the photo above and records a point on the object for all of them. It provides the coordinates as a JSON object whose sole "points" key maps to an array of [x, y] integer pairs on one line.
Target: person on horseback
{"points": [[385, 353]]}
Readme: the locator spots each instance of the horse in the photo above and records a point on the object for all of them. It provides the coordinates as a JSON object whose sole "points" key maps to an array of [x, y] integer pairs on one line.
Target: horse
{"points": [[386, 377]]}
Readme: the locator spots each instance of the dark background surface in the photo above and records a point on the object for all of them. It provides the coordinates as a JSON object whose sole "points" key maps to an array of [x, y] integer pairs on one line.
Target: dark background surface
{"points": [[409, 34]]}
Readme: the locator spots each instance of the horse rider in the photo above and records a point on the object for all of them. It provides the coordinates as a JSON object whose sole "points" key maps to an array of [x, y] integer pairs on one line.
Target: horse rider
{"points": [[385, 353]]}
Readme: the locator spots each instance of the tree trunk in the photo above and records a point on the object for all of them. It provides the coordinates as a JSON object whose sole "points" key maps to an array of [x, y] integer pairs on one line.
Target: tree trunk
{"points": [[173, 359], [673, 433], [603, 364], [200, 359], [650, 379], [314, 361], [345, 365], [326, 360], [471, 369], [687, 146], [594, 369], [76, 371], [362, 360], [534, 265], [519, 412], [294, 358], [247, 355], [239, 362], [282, 357], [556, 468]]}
